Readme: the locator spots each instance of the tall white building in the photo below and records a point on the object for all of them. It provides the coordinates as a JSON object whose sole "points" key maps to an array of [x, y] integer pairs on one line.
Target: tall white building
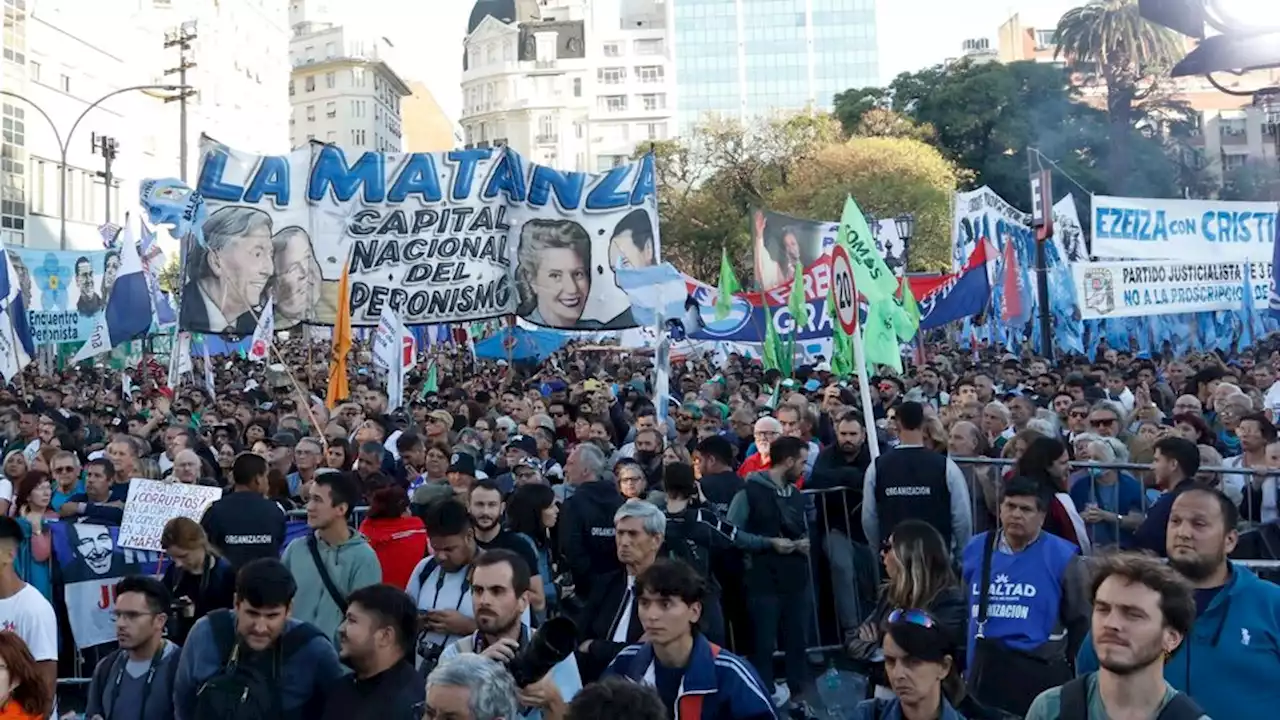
{"points": [[343, 89], [73, 54], [568, 83]]}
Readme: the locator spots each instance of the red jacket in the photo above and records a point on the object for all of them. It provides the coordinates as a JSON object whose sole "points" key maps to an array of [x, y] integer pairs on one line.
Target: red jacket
{"points": [[755, 463], [399, 544]]}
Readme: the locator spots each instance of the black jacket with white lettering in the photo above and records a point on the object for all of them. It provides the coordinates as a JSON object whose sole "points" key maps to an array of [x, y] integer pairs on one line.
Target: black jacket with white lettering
{"points": [[586, 533], [911, 483], [244, 526]]}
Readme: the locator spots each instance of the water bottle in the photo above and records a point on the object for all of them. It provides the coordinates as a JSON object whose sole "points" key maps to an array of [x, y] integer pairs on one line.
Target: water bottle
{"points": [[830, 692]]}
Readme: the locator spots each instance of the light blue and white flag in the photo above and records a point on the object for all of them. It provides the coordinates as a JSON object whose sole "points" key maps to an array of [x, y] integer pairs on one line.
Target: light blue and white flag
{"points": [[168, 201], [128, 312], [654, 290], [17, 347], [208, 374]]}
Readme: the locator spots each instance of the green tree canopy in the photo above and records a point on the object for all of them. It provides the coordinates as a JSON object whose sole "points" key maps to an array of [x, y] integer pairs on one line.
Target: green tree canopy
{"points": [[799, 164]]}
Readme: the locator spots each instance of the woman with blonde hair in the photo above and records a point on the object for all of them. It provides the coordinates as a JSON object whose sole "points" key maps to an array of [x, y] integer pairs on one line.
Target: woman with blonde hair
{"points": [[198, 579], [24, 691], [919, 576]]}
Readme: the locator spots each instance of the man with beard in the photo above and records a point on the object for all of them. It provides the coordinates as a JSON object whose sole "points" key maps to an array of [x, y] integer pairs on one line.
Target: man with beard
{"points": [[777, 574], [843, 467], [766, 431], [1229, 663], [375, 640], [1142, 611], [649, 449], [137, 680], [500, 591], [687, 419], [487, 510]]}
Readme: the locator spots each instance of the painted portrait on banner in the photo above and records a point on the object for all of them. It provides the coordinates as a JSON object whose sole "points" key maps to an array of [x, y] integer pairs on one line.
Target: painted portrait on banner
{"points": [[438, 237], [63, 291], [91, 562]]}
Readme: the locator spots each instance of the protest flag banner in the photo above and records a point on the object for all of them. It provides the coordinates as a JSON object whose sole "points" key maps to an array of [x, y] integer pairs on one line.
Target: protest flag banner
{"points": [[17, 347], [1183, 230], [841, 347], [728, 287], [91, 561], [874, 280], [153, 503], [799, 316], [441, 237], [265, 332], [128, 310], [338, 389]]}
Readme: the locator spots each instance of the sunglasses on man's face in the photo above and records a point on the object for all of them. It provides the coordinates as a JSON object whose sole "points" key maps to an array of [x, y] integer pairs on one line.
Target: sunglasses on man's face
{"points": [[1103, 422], [1079, 414]]}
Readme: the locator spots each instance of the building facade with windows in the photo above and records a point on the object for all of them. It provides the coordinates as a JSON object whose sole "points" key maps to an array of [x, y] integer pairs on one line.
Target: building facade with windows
{"points": [[65, 56], [567, 83], [750, 58], [343, 89]]}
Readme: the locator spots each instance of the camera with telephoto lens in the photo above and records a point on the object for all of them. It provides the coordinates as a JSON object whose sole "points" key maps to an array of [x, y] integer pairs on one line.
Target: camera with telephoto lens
{"points": [[553, 642]]}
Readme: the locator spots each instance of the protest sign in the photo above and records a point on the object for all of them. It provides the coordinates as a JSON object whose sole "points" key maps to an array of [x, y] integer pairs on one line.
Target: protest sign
{"points": [[439, 237], [982, 214], [91, 562], [64, 291], [1191, 231], [153, 503], [1135, 288]]}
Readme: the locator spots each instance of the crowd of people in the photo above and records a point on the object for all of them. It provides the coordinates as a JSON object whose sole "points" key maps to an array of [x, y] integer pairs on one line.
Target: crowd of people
{"points": [[546, 540]]}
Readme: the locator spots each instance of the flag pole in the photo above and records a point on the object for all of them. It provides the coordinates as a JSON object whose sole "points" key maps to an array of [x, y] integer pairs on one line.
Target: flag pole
{"points": [[864, 388]]}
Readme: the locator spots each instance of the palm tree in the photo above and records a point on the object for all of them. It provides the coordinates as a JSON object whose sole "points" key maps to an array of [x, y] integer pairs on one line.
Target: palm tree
{"points": [[1110, 40]]}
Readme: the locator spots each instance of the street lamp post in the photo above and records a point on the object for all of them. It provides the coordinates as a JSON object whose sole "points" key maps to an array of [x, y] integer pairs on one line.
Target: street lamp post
{"points": [[64, 144]]}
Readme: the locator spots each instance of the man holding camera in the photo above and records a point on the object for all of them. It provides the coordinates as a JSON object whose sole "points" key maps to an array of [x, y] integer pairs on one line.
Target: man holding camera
{"points": [[547, 676]]}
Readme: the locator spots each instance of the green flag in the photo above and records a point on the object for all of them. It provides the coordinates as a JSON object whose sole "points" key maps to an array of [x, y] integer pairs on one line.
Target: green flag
{"points": [[874, 280], [799, 310], [906, 314], [880, 336], [728, 286], [841, 346], [432, 383], [772, 344]]}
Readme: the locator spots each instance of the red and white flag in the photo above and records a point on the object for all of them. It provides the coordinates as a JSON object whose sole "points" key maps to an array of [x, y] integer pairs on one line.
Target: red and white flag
{"points": [[264, 333]]}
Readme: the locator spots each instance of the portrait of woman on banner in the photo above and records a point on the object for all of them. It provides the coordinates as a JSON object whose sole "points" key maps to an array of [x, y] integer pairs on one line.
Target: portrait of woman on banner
{"points": [[227, 276], [297, 279], [780, 243], [554, 278]]}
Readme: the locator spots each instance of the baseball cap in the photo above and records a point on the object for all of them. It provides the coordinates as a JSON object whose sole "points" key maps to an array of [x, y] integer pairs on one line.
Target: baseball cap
{"points": [[283, 439], [530, 464], [464, 463], [545, 422], [442, 416], [525, 443], [693, 410], [592, 385]]}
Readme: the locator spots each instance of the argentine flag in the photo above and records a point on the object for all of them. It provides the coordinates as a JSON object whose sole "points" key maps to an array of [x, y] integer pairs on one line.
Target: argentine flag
{"points": [[128, 312], [16, 344]]}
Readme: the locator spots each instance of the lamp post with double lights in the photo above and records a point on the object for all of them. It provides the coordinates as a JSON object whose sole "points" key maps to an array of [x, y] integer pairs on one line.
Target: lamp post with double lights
{"points": [[64, 142]]}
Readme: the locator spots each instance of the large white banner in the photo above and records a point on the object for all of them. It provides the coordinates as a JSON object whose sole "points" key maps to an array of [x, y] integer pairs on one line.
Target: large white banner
{"points": [[982, 214], [1133, 288], [439, 237], [1187, 230]]}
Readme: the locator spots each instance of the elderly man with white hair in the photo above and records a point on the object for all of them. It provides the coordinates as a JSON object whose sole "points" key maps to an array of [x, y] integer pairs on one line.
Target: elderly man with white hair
{"points": [[1111, 502], [187, 467], [471, 687], [766, 430]]}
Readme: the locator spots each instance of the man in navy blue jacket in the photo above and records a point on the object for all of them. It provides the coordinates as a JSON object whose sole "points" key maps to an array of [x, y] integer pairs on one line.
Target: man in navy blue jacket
{"points": [[695, 678]]}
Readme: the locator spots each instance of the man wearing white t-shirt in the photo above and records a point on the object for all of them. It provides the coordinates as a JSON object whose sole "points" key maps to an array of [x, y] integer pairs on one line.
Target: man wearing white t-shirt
{"points": [[23, 610]]}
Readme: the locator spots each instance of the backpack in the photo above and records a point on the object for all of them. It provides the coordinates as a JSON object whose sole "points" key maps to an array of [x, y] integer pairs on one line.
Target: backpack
{"points": [[1074, 703], [241, 693]]}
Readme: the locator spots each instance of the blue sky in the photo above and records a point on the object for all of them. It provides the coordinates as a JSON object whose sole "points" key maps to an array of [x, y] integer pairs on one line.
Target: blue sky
{"points": [[913, 34]]}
